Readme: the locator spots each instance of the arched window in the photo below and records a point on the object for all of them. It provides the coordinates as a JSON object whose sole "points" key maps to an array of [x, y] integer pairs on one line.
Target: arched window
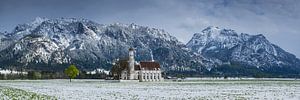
{"points": [[137, 75], [147, 75]]}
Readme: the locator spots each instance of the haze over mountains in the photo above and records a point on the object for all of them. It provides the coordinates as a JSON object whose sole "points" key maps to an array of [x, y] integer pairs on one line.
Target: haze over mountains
{"points": [[51, 44]]}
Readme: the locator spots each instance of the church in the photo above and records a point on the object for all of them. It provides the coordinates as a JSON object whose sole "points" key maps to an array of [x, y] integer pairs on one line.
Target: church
{"points": [[129, 69]]}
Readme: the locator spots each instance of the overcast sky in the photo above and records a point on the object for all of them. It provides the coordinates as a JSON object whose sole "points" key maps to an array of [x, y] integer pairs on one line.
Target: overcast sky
{"points": [[278, 20]]}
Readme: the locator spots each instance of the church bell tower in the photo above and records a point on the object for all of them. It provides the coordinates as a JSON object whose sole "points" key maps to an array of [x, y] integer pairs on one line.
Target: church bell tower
{"points": [[131, 64]]}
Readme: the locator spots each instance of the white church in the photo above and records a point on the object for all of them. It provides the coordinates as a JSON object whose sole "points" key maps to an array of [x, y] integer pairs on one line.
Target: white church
{"points": [[129, 69]]}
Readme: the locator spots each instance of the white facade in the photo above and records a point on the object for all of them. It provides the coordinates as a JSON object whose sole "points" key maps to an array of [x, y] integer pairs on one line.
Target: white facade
{"points": [[143, 75], [149, 71], [150, 75]]}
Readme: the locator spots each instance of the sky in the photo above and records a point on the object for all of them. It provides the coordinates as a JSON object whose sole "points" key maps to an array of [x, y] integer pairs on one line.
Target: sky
{"points": [[278, 20]]}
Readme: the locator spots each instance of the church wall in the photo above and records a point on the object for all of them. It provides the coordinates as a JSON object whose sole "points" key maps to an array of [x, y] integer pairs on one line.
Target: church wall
{"points": [[143, 75], [151, 75]]}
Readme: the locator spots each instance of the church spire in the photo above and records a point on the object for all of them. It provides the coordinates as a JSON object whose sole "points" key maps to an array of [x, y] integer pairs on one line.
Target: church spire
{"points": [[151, 56]]}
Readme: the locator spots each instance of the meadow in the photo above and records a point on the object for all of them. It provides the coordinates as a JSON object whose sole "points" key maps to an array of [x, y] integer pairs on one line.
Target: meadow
{"points": [[219, 89]]}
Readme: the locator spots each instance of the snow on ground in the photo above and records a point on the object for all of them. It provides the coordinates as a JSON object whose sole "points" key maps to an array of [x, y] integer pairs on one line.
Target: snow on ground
{"points": [[8, 93], [195, 89], [6, 71]]}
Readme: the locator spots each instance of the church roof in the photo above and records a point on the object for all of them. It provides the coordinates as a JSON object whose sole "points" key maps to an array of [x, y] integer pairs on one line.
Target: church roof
{"points": [[137, 67], [146, 65], [149, 65]]}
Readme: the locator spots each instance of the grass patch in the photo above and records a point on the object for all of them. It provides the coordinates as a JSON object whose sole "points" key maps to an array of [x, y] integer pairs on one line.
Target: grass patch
{"points": [[18, 94]]}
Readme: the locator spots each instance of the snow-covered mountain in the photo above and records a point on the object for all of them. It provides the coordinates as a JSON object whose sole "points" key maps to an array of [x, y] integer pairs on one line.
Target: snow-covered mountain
{"points": [[226, 47], [54, 43], [4, 41]]}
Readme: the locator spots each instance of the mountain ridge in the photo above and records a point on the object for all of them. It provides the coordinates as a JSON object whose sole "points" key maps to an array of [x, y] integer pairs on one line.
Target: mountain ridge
{"points": [[71, 40], [226, 46], [52, 44]]}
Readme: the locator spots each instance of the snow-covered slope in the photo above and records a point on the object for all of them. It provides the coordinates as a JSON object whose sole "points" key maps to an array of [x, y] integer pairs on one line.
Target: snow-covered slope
{"points": [[4, 41], [50, 43], [227, 47], [53, 44]]}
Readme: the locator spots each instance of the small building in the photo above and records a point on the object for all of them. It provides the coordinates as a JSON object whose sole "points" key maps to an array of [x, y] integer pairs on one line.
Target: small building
{"points": [[129, 69]]}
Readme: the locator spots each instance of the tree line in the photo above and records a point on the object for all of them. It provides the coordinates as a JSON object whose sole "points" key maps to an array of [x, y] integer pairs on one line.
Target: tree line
{"points": [[70, 72]]}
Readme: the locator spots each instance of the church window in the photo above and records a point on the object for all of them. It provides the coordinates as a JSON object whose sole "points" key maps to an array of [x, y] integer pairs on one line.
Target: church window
{"points": [[147, 75]]}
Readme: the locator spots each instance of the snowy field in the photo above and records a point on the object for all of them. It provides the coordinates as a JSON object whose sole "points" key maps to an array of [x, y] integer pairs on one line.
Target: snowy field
{"points": [[287, 89]]}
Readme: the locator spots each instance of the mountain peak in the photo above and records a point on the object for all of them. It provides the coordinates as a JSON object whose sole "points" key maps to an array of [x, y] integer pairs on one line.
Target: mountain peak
{"points": [[216, 32], [225, 45], [132, 25], [89, 44], [38, 20], [211, 29], [260, 36]]}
